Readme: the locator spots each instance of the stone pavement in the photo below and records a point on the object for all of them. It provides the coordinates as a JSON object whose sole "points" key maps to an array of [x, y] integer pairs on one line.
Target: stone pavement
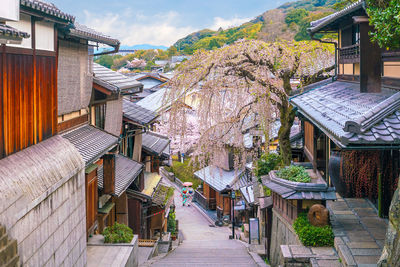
{"points": [[359, 232], [204, 245]]}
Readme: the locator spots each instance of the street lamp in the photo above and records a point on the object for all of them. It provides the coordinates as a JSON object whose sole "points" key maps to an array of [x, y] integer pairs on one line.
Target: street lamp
{"points": [[232, 195]]}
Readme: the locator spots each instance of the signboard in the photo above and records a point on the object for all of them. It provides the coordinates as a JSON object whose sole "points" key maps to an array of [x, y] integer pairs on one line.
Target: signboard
{"points": [[233, 194], [254, 230], [9, 10]]}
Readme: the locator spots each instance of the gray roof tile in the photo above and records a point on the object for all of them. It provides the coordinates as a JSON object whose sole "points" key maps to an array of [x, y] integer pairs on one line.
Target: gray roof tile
{"points": [[8, 31], [126, 171], [218, 178], [91, 142], [47, 9], [115, 81], [84, 32], [350, 117], [154, 143], [323, 22], [136, 113]]}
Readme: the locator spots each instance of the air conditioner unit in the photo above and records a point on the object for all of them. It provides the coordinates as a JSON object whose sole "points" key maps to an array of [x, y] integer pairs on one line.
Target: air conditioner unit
{"points": [[9, 10]]}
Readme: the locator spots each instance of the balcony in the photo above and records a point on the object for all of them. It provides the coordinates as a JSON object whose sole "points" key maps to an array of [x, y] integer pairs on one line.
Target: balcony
{"points": [[349, 54]]}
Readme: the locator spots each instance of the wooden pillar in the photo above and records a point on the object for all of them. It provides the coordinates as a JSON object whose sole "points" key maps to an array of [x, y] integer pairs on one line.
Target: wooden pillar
{"points": [[109, 173], [370, 60]]}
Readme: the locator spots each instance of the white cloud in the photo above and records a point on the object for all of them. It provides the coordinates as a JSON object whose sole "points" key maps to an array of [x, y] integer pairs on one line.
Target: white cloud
{"points": [[227, 23], [136, 28]]}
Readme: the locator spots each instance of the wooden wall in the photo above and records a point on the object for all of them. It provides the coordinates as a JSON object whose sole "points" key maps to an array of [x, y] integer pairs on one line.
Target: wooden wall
{"points": [[309, 140], [28, 99], [91, 199]]}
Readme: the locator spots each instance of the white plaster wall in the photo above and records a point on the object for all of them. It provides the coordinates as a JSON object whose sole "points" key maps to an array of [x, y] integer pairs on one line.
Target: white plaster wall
{"points": [[24, 24], [53, 233], [44, 35], [9, 10], [113, 121]]}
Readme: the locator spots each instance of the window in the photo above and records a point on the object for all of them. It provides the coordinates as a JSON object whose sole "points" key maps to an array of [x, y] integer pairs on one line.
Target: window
{"points": [[100, 115], [356, 34]]}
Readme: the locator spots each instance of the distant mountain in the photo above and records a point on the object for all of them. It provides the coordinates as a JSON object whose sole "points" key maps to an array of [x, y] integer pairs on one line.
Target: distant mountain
{"points": [[289, 21], [143, 47]]}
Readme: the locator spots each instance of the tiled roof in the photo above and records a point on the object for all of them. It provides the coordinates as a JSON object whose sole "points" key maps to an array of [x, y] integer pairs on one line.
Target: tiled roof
{"points": [[294, 190], [325, 21], [160, 196], [218, 178], [115, 81], [248, 193], [47, 9], [126, 171], [154, 101], [84, 32], [154, 143], [8, 31], [91, 142], [136, 113], [349, 117]]}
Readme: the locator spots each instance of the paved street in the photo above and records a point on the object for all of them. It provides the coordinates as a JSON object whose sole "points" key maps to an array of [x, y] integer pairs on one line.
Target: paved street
{"points": [[204, 245]]}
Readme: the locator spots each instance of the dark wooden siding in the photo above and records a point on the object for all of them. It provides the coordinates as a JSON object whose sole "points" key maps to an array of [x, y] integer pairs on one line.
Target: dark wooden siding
{"points": [[91, 200], [28, 97]]}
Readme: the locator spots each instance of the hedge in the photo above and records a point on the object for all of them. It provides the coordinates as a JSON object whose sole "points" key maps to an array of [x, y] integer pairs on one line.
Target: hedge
{"points": [[118, 233], [313, 236]]}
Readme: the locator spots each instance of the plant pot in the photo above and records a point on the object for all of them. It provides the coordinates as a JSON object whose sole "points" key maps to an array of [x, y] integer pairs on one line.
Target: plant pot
{"points": [[173, 237]]}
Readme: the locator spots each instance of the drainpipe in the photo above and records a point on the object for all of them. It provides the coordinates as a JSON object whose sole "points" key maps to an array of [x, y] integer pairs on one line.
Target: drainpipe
{"points": [[116, 49], [336, 53]]}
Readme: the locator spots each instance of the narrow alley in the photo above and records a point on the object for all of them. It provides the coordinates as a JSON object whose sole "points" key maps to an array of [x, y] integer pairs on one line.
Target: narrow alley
{"points": [[203, 245]]}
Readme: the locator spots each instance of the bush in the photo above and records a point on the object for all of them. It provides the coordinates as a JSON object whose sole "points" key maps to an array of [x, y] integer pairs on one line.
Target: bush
{"points": [[267, 191], [171, 224], [294, 174], [118, 233], [313, 236], [267, 163], [185, 172]]}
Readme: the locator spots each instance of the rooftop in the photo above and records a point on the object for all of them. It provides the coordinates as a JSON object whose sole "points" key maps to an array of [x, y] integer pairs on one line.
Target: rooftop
{"points": [[218, 178], [154, 101], [136, 113], [91, 142], [84, 32], [151, 181], [114, 81], [10, 32], [349, 117], [327, 22], [126, 171], [47, 9], [154, 143]]}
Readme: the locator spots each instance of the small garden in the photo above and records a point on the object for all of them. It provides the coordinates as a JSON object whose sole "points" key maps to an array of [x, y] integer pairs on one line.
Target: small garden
{"points": [[118, 233], [171, 224], [313, 236], [294, 174]]}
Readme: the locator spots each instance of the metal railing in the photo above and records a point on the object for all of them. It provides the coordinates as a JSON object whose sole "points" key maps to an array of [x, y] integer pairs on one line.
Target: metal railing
{"points": [[349, 53], [208, 204]]}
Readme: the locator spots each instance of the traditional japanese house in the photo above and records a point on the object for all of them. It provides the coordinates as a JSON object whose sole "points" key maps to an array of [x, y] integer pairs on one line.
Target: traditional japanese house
{"points": [[152, 82], [155, 151], [42, 182], [351, 125]]}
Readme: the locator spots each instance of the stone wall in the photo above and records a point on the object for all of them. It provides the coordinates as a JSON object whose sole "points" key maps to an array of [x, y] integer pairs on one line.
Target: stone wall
{"points": [[113, 121], [282, 234], [75, 78], [45, 211], [53, 232]]}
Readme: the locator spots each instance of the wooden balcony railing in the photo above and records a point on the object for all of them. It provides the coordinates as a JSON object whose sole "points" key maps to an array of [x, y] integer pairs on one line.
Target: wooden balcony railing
{"points": [[349, 54], [208, 204]]}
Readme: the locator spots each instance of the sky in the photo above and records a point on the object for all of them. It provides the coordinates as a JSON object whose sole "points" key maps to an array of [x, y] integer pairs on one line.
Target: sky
{"points": [[162, 22]]}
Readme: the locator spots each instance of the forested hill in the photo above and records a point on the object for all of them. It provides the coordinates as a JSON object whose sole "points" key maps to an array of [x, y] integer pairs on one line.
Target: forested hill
{"points": [[289, 21]]}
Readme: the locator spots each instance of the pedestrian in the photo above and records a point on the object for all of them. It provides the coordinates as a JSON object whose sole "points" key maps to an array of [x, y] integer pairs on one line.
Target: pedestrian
{"points": [[184, 194], [190, 194]]}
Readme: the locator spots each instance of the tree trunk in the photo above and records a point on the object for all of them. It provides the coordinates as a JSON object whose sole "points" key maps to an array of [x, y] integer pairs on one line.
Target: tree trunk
{"points": [[287, 115]]}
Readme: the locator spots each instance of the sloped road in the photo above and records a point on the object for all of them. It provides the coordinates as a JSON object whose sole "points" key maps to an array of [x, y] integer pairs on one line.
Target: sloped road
{"points": [[204, 245]]}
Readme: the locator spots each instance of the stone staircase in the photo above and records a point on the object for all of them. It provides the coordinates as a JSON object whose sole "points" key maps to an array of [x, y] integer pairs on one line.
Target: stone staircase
{"points": [[8, 250]]}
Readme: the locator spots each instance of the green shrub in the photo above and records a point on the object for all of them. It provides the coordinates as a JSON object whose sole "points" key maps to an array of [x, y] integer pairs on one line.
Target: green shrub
{"points": [[185, 172], [267, 191], [118, 233], [313, 236], [294, 174], [267, 163], [171, 224]]}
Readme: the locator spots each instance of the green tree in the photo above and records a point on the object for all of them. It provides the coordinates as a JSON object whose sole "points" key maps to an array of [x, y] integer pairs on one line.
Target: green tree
{"points": [[385, 17], [296, 16], [172, 51], [105, 60]]}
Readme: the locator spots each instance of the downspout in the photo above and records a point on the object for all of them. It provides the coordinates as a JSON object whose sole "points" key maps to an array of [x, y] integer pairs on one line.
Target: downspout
{"points": [[336, 53], [116, 49]]}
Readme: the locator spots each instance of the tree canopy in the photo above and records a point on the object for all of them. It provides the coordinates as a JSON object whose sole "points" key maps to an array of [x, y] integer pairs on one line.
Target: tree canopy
{"points": [[241, 86]]}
